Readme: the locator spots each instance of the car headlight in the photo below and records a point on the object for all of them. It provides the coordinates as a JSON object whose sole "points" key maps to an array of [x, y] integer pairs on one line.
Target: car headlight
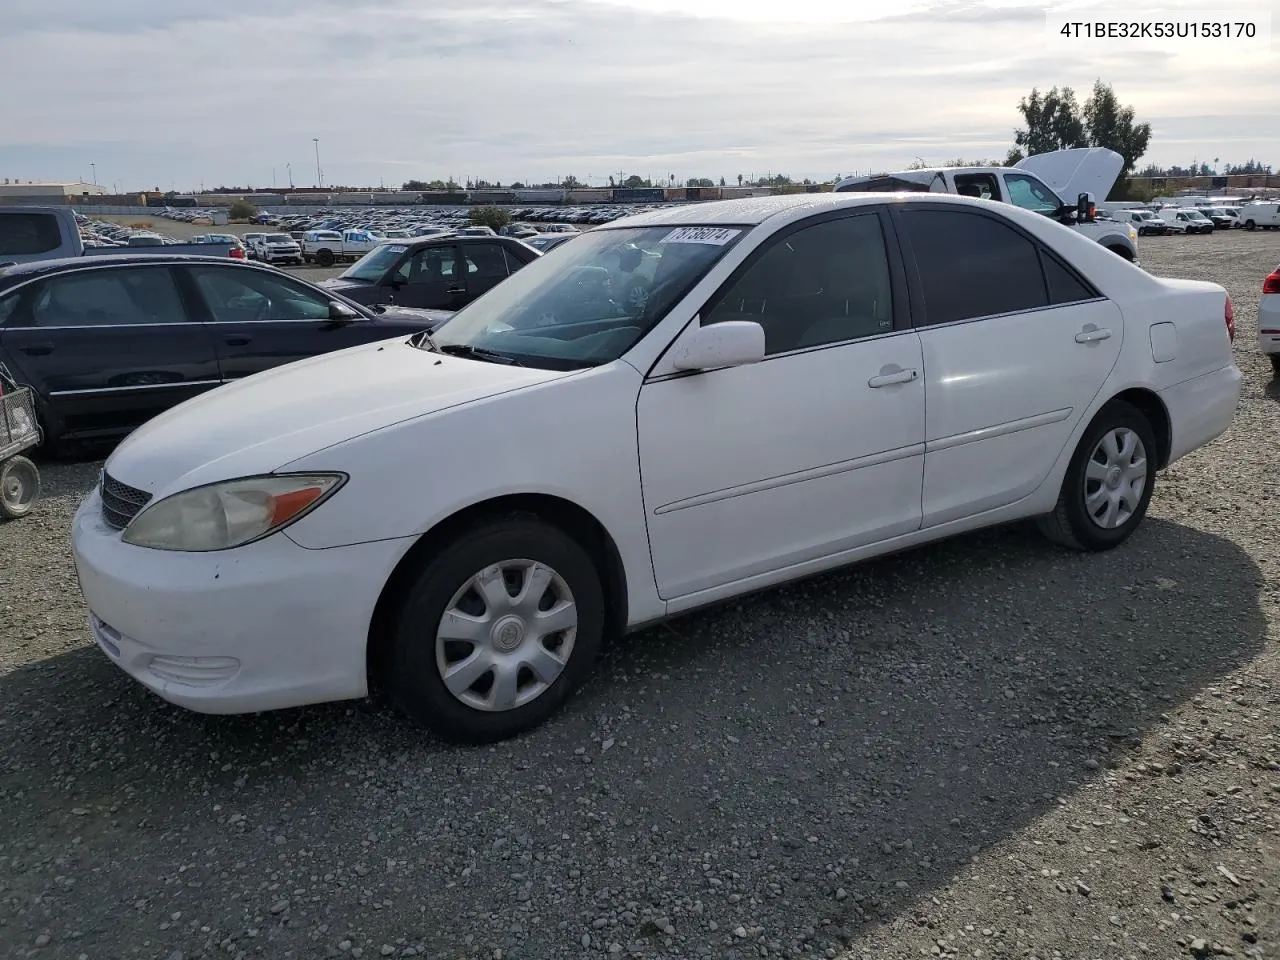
{"points": [[1133, 234], [229, 514]]}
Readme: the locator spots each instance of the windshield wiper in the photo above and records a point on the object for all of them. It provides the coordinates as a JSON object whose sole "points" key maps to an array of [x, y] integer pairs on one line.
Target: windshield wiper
{"points": [[478, 353]]}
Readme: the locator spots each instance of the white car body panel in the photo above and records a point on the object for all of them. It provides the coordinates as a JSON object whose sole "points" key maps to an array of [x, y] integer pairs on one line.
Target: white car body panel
{"points": [[708, 484], [1269, 323]]}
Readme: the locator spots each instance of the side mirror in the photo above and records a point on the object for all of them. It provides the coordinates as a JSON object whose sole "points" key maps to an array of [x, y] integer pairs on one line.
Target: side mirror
{"points": [[729, 344], [1085, 208], [340, 311]]}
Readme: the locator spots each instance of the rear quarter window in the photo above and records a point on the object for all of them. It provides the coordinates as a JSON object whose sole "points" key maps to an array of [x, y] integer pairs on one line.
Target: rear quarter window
{"points": [[27, 234]]}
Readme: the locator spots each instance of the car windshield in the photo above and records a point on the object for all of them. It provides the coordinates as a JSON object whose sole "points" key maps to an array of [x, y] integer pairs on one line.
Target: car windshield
{"points": [[1146, 215], [373, 265], [592, 301], [1196, 215], [279, 238]]}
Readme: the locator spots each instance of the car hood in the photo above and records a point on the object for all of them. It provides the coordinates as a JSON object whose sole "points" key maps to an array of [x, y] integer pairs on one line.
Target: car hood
{"points": [[1091, 170], [431, 319], [259, 424]]}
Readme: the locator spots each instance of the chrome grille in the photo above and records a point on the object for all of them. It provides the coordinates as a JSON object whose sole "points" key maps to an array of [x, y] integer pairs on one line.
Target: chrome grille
{"points": [[120, 502]]}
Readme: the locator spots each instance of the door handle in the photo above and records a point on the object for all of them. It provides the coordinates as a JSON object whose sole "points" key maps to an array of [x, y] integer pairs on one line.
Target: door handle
{"points": [[237, 341], [456, 290], [890, 375], [1092, 334], [38, 349]]}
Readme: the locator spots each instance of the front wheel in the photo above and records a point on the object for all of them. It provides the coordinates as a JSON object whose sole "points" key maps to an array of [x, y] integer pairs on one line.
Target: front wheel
{"points": [[497, 631], [1108, 483], [19, 487], [1250, 225]]}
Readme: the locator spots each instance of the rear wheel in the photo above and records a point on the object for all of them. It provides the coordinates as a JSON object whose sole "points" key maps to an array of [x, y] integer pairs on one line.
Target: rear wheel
{"points": [[1250, 225], [325, 258], [19, 487], [1108, 483], [1275, 363], [497, 631]]}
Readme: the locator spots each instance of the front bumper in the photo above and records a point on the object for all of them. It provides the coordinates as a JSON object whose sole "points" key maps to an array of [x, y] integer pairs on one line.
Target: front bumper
{"points": [[261, 627]]}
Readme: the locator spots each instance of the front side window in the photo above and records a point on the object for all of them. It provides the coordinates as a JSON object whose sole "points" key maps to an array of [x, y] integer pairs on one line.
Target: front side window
{"points": [[822, 284], [429, 265], [243, 294], [108, 297], [565, 312], [972, 265], [1030, 194], [27, 234]]}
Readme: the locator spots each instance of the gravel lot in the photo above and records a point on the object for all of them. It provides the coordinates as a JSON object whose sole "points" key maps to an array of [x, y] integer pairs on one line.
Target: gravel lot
{"points": [[988, 748]]}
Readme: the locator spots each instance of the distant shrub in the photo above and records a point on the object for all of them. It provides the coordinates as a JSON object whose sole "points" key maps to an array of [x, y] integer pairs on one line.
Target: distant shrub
{"points": [[493, 217], [242, 210]]}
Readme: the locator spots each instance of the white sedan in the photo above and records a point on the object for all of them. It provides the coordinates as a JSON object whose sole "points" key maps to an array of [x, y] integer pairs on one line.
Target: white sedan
{"points": [[812, 380], [1269, 320]]}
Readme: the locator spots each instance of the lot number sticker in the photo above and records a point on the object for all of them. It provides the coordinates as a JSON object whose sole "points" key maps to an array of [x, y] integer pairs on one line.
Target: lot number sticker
{"points": [[714, 235]]}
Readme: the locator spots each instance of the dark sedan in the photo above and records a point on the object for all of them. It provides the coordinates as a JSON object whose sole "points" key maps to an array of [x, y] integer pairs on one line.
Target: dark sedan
{"points": [[107, 343], [429, 272]]}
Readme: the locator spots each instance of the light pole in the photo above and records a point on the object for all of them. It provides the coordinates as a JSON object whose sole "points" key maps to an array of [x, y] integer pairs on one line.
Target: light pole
{"points": [[289, 169], [94, 168], [319, 175]]}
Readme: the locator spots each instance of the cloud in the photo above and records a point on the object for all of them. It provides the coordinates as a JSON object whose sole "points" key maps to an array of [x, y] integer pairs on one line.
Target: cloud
{"points": [[180, 92]]}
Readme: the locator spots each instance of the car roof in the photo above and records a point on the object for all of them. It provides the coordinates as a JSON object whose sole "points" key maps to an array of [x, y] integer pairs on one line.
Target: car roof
{"points": [[37, 268], [751, 211]]}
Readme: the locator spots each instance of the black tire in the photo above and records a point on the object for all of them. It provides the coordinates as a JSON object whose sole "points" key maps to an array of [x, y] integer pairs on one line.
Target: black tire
{"points": [[1275, 363], [1070, 523], [413, 678], [325, 258], [19, 487], [1250, 225]]}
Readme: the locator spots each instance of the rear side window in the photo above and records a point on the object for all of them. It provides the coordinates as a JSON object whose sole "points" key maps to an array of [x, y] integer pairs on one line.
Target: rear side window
{"points": [[485, 261], [109, 297], [26, 234], [972, 265], [1064, 285]]}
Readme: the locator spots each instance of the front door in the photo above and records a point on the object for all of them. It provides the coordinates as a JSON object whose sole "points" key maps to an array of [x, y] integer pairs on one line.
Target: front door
{"points": [[1016, 346], [260, 319], [815, 450], [106, 348]]}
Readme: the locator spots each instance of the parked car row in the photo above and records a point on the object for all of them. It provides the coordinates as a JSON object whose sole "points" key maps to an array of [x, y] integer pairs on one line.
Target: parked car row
{"points": [[1158, 220]]}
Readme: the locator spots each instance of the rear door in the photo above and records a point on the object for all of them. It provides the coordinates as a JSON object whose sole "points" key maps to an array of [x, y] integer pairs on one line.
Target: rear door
{"points": [[1016, 345], [108, 347], [261, 319], [486, 266]]}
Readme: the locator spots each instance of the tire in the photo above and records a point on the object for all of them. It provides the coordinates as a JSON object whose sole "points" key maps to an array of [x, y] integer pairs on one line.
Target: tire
{"points": [[1250, 225], [325, 258], [418, 656], [19, 487], [1275, 363], [1072, 522]]}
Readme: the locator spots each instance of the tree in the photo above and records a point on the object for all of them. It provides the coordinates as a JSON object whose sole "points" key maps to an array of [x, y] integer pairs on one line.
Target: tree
{"points": [[634, 181], [722, 181], [242, 210], [493, 217], [739, 179], [415, 186], [1052, 121], [1055, 122], [569, 183], [700, 182], [1110, 124]]}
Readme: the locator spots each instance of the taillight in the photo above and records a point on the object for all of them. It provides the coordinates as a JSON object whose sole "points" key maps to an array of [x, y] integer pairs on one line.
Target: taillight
{"points": [[1272, 283], [237, 253], [1231, 320]]}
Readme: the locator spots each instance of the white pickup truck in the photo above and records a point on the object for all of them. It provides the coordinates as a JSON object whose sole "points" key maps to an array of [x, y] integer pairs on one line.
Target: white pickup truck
{"points": [[327, 247], [1049, 183]]}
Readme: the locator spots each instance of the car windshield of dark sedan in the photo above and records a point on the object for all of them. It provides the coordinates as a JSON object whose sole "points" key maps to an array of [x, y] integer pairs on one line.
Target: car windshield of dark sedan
{"points": [[373, 265], [592, 301]]}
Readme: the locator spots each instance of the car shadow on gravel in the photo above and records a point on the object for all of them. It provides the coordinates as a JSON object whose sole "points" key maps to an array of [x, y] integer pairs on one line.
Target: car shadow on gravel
{"points": [[867, 731]]}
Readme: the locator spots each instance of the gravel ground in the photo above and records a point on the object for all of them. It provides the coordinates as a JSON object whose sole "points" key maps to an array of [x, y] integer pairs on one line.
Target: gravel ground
{"points": [[986, 748]]}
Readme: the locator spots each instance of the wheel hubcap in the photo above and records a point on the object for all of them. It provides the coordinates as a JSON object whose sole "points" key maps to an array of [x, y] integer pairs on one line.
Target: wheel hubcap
{"points": [[1115, 478], [507, 635], [19, 486]]}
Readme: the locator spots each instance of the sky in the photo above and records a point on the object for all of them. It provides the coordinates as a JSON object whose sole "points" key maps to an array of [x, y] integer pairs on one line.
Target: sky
{"points": [[180, 94]]}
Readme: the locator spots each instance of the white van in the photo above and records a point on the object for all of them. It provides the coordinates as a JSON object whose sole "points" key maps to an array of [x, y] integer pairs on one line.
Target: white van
{"points": [[1264, 215], [1146, 221]]}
